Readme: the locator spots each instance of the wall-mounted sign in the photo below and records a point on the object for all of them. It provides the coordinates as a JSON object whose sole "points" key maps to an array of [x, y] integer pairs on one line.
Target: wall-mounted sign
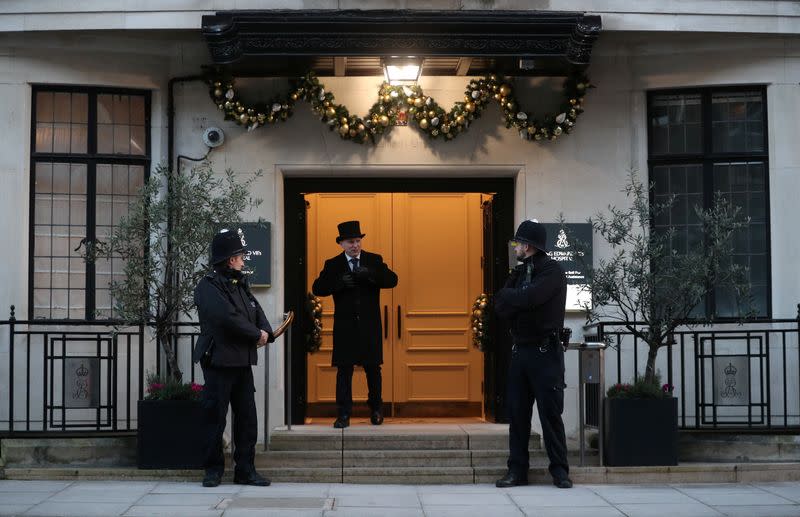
{"points": [[81, 382], [560, 249], [256, 237]]}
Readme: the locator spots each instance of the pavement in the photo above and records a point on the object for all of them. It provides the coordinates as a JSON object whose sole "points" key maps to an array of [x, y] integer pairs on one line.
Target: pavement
{"points": [[143, 498]]}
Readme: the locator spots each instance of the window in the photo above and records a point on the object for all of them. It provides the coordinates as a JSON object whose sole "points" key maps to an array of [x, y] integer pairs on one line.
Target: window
{"points": [[706, 141], [90, 153]]}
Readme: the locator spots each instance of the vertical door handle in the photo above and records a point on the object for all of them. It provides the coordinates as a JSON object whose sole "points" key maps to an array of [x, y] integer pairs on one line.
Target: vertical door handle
{"points": [[399, 324], [385, 322]]}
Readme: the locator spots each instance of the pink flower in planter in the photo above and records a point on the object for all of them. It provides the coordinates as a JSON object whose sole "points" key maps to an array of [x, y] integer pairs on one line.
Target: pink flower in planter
{"points": [[667, 388], [197, 388]]}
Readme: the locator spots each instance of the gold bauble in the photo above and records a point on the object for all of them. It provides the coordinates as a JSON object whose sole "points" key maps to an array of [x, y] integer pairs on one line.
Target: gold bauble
{"points": [[384, 120], [469, 107], [240, 108], [261, 118], [557, 131], [326, 103], [217, 84], [221, 106], [228, 105], [531, 130], [573, 113], [424, 123], [343, 121], [294, 96], [446, 128], [431, 114], [418, 102], [483, 305], [510, 106], [492, 77], [343, 129], [460, 120], [573, 101], [330, 112], [497, 96], [218, 92], [505, 90], [251, 111], [387, 98], [467, 98], [353, 132], [243, 118], [270, 118], [360, 128]]}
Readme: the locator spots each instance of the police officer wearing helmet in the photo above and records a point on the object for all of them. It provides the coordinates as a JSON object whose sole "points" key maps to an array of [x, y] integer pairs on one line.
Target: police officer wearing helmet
{"points": [[232, 327], [533, 303]]}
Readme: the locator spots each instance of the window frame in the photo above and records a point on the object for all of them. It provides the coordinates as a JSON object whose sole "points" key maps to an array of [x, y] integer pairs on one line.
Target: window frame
{"points": [[90, 159], [707, 157]]}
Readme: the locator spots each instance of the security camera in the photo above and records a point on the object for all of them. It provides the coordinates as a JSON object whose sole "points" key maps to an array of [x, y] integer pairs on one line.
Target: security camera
{"points": [[213, 137]]}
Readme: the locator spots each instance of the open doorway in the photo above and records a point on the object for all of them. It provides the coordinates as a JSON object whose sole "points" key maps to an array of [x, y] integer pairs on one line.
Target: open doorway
{"points": [[439, 237]]}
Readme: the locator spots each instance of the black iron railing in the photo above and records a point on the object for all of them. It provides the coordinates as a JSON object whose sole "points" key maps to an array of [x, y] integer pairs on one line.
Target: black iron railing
{"points": [[727, 376], [79, 377]]}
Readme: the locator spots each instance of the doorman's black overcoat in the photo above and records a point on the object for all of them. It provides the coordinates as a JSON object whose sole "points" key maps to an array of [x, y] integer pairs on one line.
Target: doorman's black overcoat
{"points": [[357, 326]]}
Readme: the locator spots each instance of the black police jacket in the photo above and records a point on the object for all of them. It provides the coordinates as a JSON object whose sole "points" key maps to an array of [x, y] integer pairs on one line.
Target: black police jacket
{"points": [[357, 337], [533, 300], [231, 320]]}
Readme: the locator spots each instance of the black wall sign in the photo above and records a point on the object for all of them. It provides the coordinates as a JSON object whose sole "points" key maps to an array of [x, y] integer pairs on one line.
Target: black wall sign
{"points": [[558, 242], [256, 237]]}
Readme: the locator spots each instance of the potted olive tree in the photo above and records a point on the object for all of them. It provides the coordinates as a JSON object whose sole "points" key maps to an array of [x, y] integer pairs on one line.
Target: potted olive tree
{"points": [[650, 288], [163, 241]]}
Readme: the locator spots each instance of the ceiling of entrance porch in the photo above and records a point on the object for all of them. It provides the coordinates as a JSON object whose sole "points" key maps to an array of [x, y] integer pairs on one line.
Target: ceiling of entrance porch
{"points": [[274, 43]]}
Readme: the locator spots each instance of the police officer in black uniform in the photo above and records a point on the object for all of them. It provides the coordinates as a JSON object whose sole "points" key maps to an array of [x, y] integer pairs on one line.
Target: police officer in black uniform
{"points": [[232, 326], [533, 303]]}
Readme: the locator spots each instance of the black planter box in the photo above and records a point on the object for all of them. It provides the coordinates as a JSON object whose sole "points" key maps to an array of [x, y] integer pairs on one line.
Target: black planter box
{"points": [[171, 434], [640, 432]]}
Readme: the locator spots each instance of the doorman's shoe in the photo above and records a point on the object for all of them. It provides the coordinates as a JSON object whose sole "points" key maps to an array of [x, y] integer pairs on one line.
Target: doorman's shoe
{"points": [[251, 478], [211, 479], [511, 479], [564, 482], [376, 418], [342, 422]]}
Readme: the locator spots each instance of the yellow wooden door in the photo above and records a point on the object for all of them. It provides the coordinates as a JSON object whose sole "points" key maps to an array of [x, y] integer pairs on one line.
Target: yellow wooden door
{"points": [[325, 211], [433, 242], [438, 242]]}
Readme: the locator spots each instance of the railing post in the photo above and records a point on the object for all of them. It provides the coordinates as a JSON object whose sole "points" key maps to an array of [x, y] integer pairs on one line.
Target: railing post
{"points": [[11, 320]]}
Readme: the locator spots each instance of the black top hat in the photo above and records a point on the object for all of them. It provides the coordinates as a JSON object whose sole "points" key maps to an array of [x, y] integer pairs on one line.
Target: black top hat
{"points": [[226, 244], [349, 230], [533, 233]]}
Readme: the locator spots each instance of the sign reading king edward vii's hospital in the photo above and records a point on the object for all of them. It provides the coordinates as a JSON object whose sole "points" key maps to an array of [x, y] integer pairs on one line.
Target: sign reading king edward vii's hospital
{"points": [[255, 237], [561, 249]]}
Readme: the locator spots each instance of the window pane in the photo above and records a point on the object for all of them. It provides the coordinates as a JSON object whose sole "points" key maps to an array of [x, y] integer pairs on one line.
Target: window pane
{"points": [[137, 110], [44, 107], [80, 108], [44, 138], [62, 105], [737, 122], [138, 145], [122, 139], [675, 124], [105, 138], [105, 109]]}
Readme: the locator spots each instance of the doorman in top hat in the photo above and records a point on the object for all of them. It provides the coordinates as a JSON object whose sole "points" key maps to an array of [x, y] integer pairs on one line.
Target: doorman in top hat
{"points": [[232, 326], [355, 279], [533, 303]]}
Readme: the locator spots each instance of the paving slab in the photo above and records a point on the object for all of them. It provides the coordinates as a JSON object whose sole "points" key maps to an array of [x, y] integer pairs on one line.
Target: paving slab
{"points": [[71, 509], [172, 510], [473, 511], [13, 509], [671, 510], [372, 512], [760, 511], [583, 511], [460, 499], [557, 497]]}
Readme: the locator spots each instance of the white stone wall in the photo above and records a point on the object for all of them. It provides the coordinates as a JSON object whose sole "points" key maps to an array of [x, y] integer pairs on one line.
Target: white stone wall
{"points": [[576, 175]]}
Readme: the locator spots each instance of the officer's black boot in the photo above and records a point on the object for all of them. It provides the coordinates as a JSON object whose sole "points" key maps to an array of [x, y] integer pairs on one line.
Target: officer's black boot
{"points": [[342, 421], [211, 479], [564, 482], [250, 477], [511, 479]]}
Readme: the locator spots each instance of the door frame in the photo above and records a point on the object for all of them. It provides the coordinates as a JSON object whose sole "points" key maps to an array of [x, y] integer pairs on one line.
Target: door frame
{"points": [[294, 188]]}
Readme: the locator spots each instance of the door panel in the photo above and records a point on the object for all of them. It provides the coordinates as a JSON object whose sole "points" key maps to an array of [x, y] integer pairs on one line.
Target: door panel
{"points": [[434, 243], [325, 211], [437, 256]]}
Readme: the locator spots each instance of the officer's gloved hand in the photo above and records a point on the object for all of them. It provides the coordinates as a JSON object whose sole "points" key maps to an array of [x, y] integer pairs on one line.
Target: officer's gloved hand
{"points": [[363, 274], [348, 281]]}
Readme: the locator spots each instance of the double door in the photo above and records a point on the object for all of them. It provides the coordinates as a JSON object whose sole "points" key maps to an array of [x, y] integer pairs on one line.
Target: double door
{"points": [[434, 242]]}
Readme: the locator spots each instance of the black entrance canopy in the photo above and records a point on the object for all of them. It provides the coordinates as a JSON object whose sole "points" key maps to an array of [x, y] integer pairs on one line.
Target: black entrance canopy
{"points": [[353, 42]]}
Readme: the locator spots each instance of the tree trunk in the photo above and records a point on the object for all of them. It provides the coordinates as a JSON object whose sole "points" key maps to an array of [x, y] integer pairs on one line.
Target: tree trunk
{"points": [[165, 344], [650, 370]]}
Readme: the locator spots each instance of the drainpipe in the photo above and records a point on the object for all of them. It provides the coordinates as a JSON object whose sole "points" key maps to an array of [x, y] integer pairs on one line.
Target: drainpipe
{"points": [[171, 114]]}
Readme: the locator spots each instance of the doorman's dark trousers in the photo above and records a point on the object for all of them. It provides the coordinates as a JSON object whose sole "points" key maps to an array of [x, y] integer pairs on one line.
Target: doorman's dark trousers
{"points": [[234, 386], [537, 376], [344, 388]]}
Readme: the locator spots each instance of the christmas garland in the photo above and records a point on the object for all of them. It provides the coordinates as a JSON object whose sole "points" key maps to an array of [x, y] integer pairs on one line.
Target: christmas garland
{"points": [[409, 102], [314, 310], [481, 331]]}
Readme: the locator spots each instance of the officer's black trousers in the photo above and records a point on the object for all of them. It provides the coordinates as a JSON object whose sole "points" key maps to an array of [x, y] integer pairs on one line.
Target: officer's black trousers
{"points": [[536, 376], [230, 386], [344, 388]]}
